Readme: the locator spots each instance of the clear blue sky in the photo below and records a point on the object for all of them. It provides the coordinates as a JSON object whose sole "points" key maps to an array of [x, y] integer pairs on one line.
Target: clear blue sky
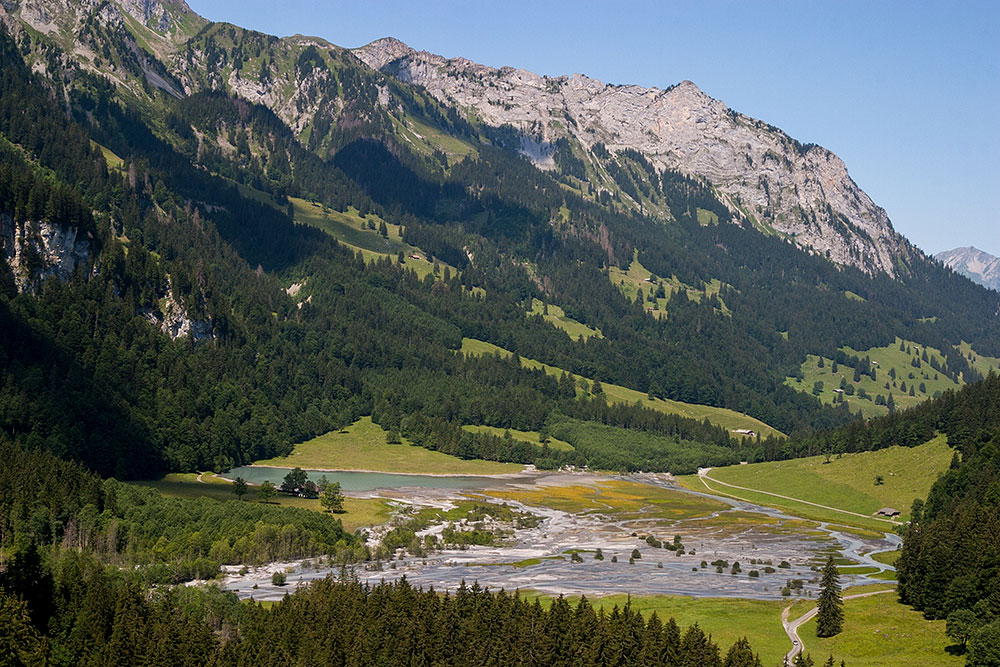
{"points": [[907, 93]]}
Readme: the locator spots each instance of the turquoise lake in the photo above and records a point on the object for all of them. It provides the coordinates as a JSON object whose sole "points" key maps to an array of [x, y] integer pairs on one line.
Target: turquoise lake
{"points": [[363, 481]]}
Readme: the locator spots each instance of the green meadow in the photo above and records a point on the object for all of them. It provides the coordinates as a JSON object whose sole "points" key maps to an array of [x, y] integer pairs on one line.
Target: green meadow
{"points": [[878, 630], [362, 446], [349, 228], [638, 278], [845, 482], [557, 317]]}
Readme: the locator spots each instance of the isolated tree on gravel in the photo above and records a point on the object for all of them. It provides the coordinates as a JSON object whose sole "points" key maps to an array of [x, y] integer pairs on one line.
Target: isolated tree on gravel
{"points": [[240, 487], [830, 617]]}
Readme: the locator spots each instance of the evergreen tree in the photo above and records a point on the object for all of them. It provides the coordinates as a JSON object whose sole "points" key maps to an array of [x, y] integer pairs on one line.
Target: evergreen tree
{"points": [[830, 617], [741, 655]]}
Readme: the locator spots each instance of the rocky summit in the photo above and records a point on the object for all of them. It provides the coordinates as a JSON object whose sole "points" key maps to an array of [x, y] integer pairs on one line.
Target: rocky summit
{"points": [[767, 179], [976, 265]]}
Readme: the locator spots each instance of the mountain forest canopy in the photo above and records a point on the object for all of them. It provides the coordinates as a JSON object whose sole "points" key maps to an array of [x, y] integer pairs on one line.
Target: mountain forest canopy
{"points": [[165, 307]]}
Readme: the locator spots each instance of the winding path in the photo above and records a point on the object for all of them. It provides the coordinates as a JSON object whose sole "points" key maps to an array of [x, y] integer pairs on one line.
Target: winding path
{"points": [[792, 627], [703, 475]]}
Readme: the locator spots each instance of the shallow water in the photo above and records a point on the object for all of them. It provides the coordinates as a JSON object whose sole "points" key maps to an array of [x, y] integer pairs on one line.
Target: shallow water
{"points": [[364, 481]]}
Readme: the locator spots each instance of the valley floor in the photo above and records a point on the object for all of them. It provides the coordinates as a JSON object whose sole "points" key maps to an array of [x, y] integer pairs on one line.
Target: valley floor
{"points": [[706, 553]]}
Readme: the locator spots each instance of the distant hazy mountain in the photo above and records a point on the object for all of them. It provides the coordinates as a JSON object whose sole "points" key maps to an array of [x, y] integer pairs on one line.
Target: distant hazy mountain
{"points": [[978, 266]]}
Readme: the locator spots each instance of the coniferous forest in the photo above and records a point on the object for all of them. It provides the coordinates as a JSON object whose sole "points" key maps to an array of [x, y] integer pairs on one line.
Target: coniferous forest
{"points": [[191, 322]]}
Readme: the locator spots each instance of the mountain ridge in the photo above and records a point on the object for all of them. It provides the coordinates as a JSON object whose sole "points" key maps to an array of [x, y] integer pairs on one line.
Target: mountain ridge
{"points": [[767, 179], [977, 265]]}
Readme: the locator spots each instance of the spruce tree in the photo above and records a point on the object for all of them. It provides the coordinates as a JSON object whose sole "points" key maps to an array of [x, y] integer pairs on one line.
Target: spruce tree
{"points": [[830, 618]]}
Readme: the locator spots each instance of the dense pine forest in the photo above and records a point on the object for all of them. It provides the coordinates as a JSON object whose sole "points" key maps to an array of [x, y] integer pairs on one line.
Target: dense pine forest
{"points": [[100, 617], [181, 212]]}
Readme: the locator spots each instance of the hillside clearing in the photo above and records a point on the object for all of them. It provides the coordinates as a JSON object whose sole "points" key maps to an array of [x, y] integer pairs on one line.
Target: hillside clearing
{"points": [[352, 230], [362, 446], [534, 437], [724, 417], [558, 318], [924, 381]]}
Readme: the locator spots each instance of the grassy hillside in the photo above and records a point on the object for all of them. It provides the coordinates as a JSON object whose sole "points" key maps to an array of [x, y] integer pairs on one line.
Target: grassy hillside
{"points": [[349, 228], [557, 316], [362, 446], [729, 419], [847, 482], [925, 381], [878, 630], [534, 437], [981, 363], [639, 278]]}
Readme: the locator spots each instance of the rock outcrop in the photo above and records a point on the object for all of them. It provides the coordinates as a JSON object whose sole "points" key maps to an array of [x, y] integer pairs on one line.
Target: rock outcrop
{"points": [[176, 323], [38, 250], [173, 320], [976, 265], [767, 178]]}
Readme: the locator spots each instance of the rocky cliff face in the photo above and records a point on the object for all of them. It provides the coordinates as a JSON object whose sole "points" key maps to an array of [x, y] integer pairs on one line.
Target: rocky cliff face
{"points": [[173, 320], [767, 178], [37, 250], [976, 265]]}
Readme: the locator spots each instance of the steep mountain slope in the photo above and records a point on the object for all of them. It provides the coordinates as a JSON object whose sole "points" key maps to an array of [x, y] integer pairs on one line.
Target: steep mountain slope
{"points": [[767, 178], [976, 265], [202, 326]]}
